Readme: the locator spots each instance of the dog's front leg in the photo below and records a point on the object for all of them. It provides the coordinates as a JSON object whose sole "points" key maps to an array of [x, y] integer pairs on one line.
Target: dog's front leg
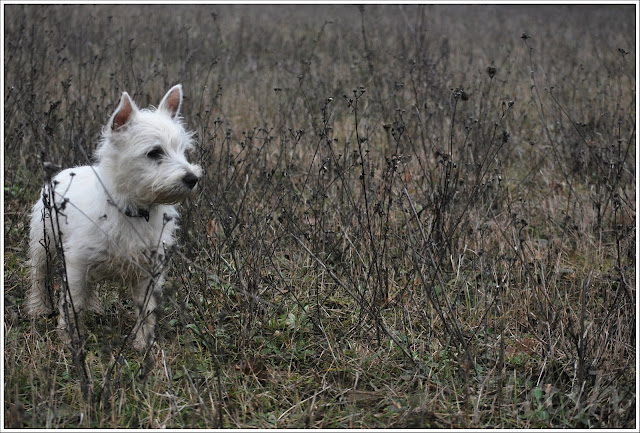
{"points": [[148, 296], [72, 301]]}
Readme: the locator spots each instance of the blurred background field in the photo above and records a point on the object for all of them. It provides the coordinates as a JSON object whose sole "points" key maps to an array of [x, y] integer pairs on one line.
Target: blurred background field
{"points": [[412, 216]]}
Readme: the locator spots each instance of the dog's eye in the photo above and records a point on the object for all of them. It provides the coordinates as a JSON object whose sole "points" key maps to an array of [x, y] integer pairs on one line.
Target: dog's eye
{"points": [[155, 153]]}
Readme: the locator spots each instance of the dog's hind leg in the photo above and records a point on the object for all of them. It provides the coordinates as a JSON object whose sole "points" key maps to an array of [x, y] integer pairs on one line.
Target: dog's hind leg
{"points": [[40, 296]]}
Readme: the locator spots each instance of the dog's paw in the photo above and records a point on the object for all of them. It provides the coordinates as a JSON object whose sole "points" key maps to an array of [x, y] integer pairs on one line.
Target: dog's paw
{"points": [[39, 311], [63, 335], [142, 342]]}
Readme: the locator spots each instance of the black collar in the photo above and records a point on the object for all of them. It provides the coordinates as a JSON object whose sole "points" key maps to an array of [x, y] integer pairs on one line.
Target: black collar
{"points": [[132, 212]]}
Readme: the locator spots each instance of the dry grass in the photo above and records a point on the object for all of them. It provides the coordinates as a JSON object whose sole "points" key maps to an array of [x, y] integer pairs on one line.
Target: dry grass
{"points": [[411, 216]]}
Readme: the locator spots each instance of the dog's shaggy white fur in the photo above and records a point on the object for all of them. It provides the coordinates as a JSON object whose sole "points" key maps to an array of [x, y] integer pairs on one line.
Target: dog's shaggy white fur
{"points": [[115, 219]]}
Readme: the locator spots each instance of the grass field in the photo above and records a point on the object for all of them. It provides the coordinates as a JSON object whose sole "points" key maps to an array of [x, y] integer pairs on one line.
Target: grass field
{"points": [[411, 217]]}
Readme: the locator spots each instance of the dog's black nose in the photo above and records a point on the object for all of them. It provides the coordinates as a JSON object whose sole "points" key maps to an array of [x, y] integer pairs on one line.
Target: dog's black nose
{"points": [[190, 180]]}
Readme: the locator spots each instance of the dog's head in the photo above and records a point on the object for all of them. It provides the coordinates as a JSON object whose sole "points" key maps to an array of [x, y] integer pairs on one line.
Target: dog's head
{"points": [[143, 152]]}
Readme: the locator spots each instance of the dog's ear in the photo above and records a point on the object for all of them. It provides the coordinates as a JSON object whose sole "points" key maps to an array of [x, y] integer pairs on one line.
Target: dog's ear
{"points": [[172, 101], [124, 112]]}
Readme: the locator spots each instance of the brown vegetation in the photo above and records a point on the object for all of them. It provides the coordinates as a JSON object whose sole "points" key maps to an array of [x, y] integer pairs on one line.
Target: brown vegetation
{"points": [[412, 216]]}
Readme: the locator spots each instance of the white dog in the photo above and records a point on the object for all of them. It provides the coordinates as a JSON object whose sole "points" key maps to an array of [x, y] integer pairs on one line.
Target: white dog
{"points": [[115, 219]]}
